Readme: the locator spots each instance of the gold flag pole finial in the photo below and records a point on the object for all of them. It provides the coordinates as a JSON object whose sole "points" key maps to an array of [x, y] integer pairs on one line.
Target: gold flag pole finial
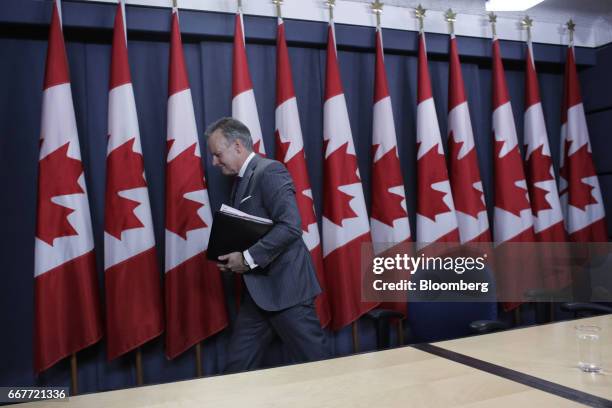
{"points": [[278, 4], [493, 21], [450, 16], [377, 8], [419, 13], [240, 5], [330, 5], [174, 4], [571, 26], [527, 23]]}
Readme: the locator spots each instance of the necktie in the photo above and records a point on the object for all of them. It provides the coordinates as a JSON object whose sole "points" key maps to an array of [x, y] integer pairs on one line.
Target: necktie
{"points": [[234, 190]]}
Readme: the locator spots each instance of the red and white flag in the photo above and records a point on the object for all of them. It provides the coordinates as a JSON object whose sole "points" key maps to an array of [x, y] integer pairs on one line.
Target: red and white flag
{"points": [[513, 221], [512, 215], [581, 200], [389, 216], [133, 292], [544, 197], [436, 219], [290, 151], [345, 219], [195, 302], [66, 303], [244, 107], [466, 183]]}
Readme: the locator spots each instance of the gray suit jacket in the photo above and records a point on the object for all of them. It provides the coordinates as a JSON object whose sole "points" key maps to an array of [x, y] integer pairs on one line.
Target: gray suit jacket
{"points": [[285, 275]]}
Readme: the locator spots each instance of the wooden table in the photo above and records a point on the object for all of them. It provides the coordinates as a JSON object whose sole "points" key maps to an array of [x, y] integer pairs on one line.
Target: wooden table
{"points": [[547, 352], [404, 377]]}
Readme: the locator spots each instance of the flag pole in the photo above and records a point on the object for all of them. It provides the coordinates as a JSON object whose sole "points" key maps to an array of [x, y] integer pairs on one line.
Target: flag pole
{"points": [[139, 377], [330, 6], [355, 329], [450, 16], [278, 4], [571, 27], [198, 356], [419, 13], [74, 380], [493, 22], [527, 23], [377, 8]]}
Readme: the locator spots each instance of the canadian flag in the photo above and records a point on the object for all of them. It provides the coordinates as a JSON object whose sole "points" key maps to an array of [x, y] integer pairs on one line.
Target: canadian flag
{"points": [[389, 217], [66, 304], [585, 217], [244, 107], [466, 183], [345, 218], [290, 151], [436, 219], [512, 217], [513, 221], [544, 197], [133, 292], [195, 303]]}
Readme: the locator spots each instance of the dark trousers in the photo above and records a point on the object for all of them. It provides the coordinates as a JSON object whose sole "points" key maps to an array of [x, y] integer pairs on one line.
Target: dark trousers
{"points": [[298, 327]]}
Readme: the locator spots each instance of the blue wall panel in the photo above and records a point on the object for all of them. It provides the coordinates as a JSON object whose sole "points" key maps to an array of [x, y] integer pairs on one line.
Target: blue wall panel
{"points": [[600, 131], [596, 83]]}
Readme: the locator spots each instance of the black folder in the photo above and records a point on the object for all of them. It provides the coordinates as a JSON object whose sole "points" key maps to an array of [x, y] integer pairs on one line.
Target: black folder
{"points": [[234, 233]]}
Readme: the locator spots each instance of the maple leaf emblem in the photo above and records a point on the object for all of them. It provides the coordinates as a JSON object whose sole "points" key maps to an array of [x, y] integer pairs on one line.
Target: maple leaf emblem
{"points": [[537, 168], [340, 169], [257, 147], [58, 175], [509, 171], [124, 172], [464, 173], [297, 168], [431, 168], [386, 174], [184, 175], [577, 166]]}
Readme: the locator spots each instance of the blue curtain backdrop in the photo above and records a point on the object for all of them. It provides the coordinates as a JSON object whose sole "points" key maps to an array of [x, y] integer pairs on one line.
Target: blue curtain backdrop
{"points": [[209, 62]]}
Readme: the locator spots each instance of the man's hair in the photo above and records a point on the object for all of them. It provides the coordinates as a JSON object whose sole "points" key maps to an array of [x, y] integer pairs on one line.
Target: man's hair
{"points": [[233, 130]]}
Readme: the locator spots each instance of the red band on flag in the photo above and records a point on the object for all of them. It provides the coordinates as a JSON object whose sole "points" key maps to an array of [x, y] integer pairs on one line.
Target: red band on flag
{"points": [[129, 284], [177, 79], [500, 89], [56, 72], [424, 88], [571, 85], [195, 308], [240, 72], [120, 68], [333, 84], [456, 94], [67, 314], [381, 88], [532, 89], [344, 290], [283, 69]]}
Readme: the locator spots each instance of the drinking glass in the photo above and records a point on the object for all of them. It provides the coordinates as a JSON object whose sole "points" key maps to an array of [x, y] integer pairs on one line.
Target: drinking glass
{"points": [[589, 348]]}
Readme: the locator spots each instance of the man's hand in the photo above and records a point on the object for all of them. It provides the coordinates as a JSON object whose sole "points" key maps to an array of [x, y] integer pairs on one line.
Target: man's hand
{"points": [[235, 263]]}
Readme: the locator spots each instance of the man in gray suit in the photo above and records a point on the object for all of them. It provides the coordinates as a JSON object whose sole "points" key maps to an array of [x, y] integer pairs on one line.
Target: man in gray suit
{"points": [[278, 272]]}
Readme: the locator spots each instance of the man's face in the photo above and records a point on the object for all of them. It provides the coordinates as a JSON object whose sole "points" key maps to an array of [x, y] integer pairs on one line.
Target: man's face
{"points": [[227, 156]]}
